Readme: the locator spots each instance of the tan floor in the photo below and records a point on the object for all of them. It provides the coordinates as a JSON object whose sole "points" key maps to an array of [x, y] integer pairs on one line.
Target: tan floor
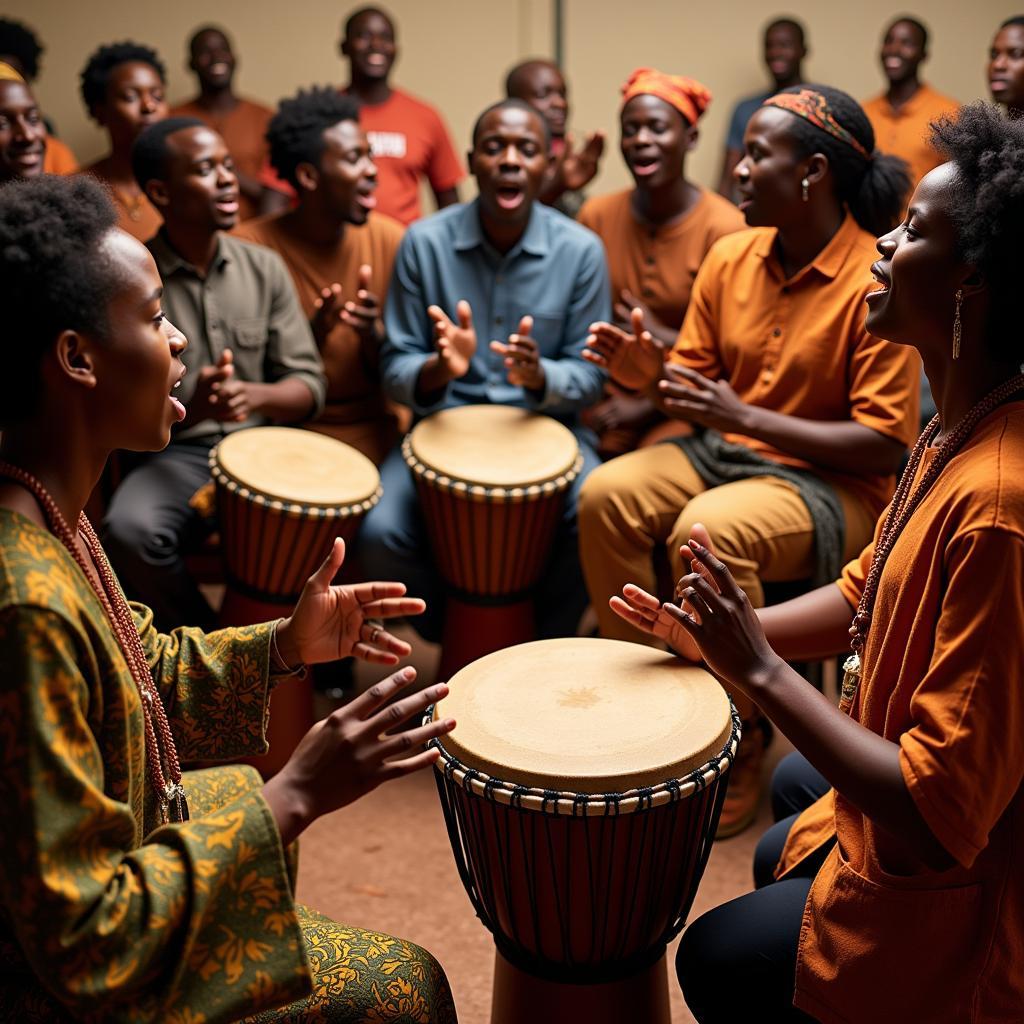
{"points": [[385, 863]]}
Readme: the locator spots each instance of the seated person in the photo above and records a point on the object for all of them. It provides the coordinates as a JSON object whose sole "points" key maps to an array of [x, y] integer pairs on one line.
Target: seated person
{"points": [[655, 236], [20, 49], [23, 138], [251, 358], [901, 115], [503, 266], [131, 890], [123, 88], [339, 253], [909, 862], [542, 84], [409, 139], [241, 123], [803, 418], [785, 48]]}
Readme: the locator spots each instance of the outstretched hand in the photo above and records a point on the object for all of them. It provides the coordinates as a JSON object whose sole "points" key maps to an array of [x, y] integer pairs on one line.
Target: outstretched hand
{"points": [[332, 622], [688, 395], [634, 360], [352, 751]]}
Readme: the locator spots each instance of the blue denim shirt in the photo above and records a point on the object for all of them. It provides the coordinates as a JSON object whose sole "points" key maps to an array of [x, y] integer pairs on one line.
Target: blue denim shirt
{"points": [[555, 273]]}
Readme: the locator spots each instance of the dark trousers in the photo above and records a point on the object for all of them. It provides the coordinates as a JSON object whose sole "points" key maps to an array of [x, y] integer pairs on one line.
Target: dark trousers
{"points": [[147, 529], [738, 961]]}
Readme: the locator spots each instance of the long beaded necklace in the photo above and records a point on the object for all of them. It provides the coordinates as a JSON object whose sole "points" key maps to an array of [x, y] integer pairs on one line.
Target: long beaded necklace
{"points": [[900, 511], [161, 755]]}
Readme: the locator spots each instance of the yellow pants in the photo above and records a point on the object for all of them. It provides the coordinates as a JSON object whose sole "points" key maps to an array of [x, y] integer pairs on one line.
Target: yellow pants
{"points": [[760, 528]]}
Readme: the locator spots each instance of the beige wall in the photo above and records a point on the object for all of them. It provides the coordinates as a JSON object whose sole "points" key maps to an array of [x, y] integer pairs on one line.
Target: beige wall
{"points": [[455, 52]]}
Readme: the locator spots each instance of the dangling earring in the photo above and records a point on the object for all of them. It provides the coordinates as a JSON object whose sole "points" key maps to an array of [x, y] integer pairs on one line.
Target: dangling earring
{"points": [[805, 189], [956, 324]]}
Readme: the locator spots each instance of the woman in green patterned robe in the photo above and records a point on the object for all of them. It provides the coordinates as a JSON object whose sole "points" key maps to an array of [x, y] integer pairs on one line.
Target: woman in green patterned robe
{"points": [[107, 912]]}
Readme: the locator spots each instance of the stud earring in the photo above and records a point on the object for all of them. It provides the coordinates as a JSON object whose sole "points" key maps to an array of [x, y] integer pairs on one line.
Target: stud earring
{"points": [[805, 189], [956, 324]]}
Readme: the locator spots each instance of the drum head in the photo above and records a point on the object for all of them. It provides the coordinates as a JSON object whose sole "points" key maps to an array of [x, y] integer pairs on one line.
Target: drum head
{"points": [[297, 466], [494, 445], [585, 715]]}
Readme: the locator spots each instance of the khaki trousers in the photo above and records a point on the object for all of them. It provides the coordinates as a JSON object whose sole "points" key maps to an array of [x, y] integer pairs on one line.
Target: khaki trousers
{"points": [[760, 528]]}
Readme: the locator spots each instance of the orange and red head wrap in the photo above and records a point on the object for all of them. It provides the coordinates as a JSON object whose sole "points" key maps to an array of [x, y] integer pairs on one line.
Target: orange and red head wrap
{"points": [[687, 95]]}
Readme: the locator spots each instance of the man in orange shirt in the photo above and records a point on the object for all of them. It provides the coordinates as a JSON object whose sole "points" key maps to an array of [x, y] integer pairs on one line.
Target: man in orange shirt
{"points": [[339, 253], [21, 50], [241, 123], [901, 115], [408, 137]]}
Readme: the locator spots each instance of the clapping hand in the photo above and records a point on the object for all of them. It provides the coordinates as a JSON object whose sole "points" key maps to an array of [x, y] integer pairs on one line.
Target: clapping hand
{"points": [[633, 361], [691, 396], [455, 343], [522, 357]]}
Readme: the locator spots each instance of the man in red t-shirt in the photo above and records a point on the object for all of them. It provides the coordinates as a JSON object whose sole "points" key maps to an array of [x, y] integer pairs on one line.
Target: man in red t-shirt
{"points": [[408, 138]]}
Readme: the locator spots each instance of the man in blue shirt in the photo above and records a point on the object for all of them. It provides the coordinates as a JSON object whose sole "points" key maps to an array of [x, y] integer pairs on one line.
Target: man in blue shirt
{"points": [[784, 51], [491, 302]]}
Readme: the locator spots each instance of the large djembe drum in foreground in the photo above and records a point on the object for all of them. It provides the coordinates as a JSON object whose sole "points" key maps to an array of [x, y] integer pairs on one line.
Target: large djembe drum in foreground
{"points": [[492, 482], [283, 495], [581, 789]]}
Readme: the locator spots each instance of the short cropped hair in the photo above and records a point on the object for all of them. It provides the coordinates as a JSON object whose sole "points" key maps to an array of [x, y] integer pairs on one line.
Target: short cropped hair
{"points": [[296, 132], [52, 276], [150, 153], [95, 76], [513, 104]]}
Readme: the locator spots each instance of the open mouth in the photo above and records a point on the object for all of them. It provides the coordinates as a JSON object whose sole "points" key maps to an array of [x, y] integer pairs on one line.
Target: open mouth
{"points": [[510, 197], [893, 63], [220, 68], [227, 204], [28, 157], [644, 166], [366, 200], [998, 84], [179, 408], [376, 60], [881, 280]]}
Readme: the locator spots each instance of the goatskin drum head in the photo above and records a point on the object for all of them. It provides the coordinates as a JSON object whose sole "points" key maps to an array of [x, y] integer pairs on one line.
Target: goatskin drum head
{"points": [[585, 715]]}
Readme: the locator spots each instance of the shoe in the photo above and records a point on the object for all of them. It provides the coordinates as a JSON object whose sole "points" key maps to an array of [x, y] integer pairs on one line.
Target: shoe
{"points": [[745, 781]]}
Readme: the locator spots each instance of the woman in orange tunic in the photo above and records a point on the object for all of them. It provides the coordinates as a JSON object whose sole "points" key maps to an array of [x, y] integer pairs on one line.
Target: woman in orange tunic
{"points": [[898, 895]]}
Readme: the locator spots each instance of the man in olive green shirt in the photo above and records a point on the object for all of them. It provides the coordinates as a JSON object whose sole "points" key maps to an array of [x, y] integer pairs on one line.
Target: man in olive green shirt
{"points": [[251, 359]]}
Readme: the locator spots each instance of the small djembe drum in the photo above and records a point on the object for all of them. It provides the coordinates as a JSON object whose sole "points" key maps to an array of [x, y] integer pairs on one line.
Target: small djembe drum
{"points": [[492, 482], [283, 495], [581, 789]]}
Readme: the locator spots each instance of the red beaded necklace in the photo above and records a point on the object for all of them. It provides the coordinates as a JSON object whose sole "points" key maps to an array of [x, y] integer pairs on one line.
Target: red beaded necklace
{"points": [[161, 755], [902, 508]]}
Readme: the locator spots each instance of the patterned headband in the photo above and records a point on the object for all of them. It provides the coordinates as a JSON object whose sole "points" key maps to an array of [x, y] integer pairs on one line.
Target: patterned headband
{"points": [[812, 106]]}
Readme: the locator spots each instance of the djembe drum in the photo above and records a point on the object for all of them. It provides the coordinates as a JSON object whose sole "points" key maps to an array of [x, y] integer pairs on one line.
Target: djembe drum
{"points": [[492, 482], [581, 790], [283, 495]]}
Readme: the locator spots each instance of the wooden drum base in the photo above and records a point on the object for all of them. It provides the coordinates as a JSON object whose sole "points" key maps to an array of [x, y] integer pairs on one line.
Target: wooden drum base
{"points": [[521, 998], [473, 630], [291, 704]]}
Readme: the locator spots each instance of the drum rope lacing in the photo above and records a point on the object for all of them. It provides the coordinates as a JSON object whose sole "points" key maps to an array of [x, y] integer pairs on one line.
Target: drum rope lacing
{"points": [[486, 869]]}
